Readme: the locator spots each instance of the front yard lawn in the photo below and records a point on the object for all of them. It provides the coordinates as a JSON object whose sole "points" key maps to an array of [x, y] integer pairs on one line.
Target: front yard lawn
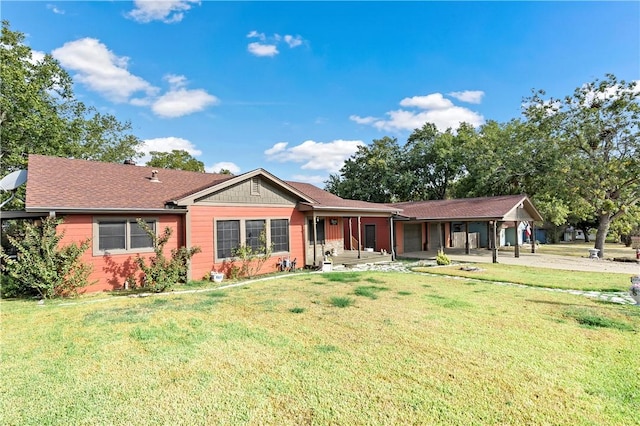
{"points": [[537, 277], [406, 349]]}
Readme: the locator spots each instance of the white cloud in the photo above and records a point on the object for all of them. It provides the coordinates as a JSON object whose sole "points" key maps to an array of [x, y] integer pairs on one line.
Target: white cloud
{"points": [[179, 101], [268, 45], [468, 96], [36, 56], [55, 9], [101, 70], [328, 156], [215, 168], [104, 72], [255, 34], [259, 49], [167, 11], [167, 144], [433, 101], [433, 108], [293, 41], [362, 120]]}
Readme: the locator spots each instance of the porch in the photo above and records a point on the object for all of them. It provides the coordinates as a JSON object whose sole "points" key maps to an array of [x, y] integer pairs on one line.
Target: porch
{"points": [[350, 257]]}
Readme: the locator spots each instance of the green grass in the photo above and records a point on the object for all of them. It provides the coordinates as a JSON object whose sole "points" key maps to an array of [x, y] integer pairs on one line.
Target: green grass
{"points": [[538, 277], [341, 302], [370, 291], [444, 353], [581, 249]]}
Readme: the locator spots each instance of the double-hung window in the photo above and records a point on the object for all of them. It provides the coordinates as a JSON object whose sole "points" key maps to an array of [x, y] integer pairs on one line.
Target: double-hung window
{"points": [[122, 235]]}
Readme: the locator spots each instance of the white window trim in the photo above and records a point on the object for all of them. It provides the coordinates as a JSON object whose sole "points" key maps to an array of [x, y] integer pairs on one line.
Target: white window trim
{"points": [[243, 234], [127, 250]]}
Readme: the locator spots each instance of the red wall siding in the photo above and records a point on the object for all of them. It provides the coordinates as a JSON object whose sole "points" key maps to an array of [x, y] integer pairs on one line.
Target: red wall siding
{"points": [[333, 232], [202, 234], [111, 271], [383, 239]]}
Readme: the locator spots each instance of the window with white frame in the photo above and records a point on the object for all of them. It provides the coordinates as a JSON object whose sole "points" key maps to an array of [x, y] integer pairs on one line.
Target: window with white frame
{"points": [[114, 235]]}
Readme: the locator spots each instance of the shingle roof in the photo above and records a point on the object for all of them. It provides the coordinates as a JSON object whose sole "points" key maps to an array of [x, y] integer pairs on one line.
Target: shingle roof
{"points": [[327, 200], [60, 183], [464, 208]]}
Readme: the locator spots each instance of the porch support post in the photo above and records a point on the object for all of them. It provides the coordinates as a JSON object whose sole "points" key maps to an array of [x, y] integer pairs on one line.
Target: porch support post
{"points": [[440, 232], [517, 248], [393, 252], [350, 235], [359, 234], [533, 237], [315, 238], [467, 247], [494, 247]]}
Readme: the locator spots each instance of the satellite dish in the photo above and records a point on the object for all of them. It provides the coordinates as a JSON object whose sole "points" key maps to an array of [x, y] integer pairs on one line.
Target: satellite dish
{"points": [[13, 180]]}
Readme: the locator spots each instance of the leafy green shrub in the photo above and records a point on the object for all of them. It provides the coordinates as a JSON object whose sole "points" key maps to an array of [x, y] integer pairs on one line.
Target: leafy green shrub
{"points": [[442, 258], [162, 273], [43, 268], [251, 260]]}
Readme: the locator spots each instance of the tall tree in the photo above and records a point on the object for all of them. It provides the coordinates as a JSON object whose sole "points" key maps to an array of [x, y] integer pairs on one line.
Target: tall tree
{"points": [[371, 174], [176, 159], [597, 130], [432, 161], [40, 115]]}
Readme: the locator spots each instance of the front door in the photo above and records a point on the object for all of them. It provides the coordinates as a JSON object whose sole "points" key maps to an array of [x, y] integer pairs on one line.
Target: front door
{"points": [[370, 236]]}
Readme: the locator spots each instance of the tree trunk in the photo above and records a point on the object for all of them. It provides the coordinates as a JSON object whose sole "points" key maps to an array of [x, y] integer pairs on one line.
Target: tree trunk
{"points": [[604, 220], [586, 235]]}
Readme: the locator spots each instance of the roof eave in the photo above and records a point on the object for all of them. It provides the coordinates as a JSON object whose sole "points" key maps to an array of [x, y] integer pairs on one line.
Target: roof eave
{"points": [[90, 210], [323, 208]]}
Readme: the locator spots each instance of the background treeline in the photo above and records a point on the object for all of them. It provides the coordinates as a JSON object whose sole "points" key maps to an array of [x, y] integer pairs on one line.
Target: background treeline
{"points": [[578, 158]]}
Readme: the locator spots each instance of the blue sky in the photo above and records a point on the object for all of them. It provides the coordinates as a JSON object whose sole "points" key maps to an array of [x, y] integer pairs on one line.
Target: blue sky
{"points": [[296, 87]]}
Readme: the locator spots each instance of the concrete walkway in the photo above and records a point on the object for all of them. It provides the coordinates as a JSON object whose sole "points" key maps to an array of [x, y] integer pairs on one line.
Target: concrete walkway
{"points": [[613, 297], [567, 263]]}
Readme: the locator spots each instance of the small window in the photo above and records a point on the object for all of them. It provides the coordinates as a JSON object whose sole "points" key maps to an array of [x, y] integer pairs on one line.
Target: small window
{"points": [[255, 186], [122, 235], [319, 231], [139, 237], [280, 234], [112, 235], [227, 237]]}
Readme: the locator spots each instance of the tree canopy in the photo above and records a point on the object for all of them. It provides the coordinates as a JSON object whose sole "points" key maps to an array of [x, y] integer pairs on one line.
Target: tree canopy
{"points": [[577, 157], [39, 113], [176, 159]]}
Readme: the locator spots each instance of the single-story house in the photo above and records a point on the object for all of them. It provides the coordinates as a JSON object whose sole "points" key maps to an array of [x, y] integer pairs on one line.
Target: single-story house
{"points": [[215, 212], [218, 212], [460, 223]]}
